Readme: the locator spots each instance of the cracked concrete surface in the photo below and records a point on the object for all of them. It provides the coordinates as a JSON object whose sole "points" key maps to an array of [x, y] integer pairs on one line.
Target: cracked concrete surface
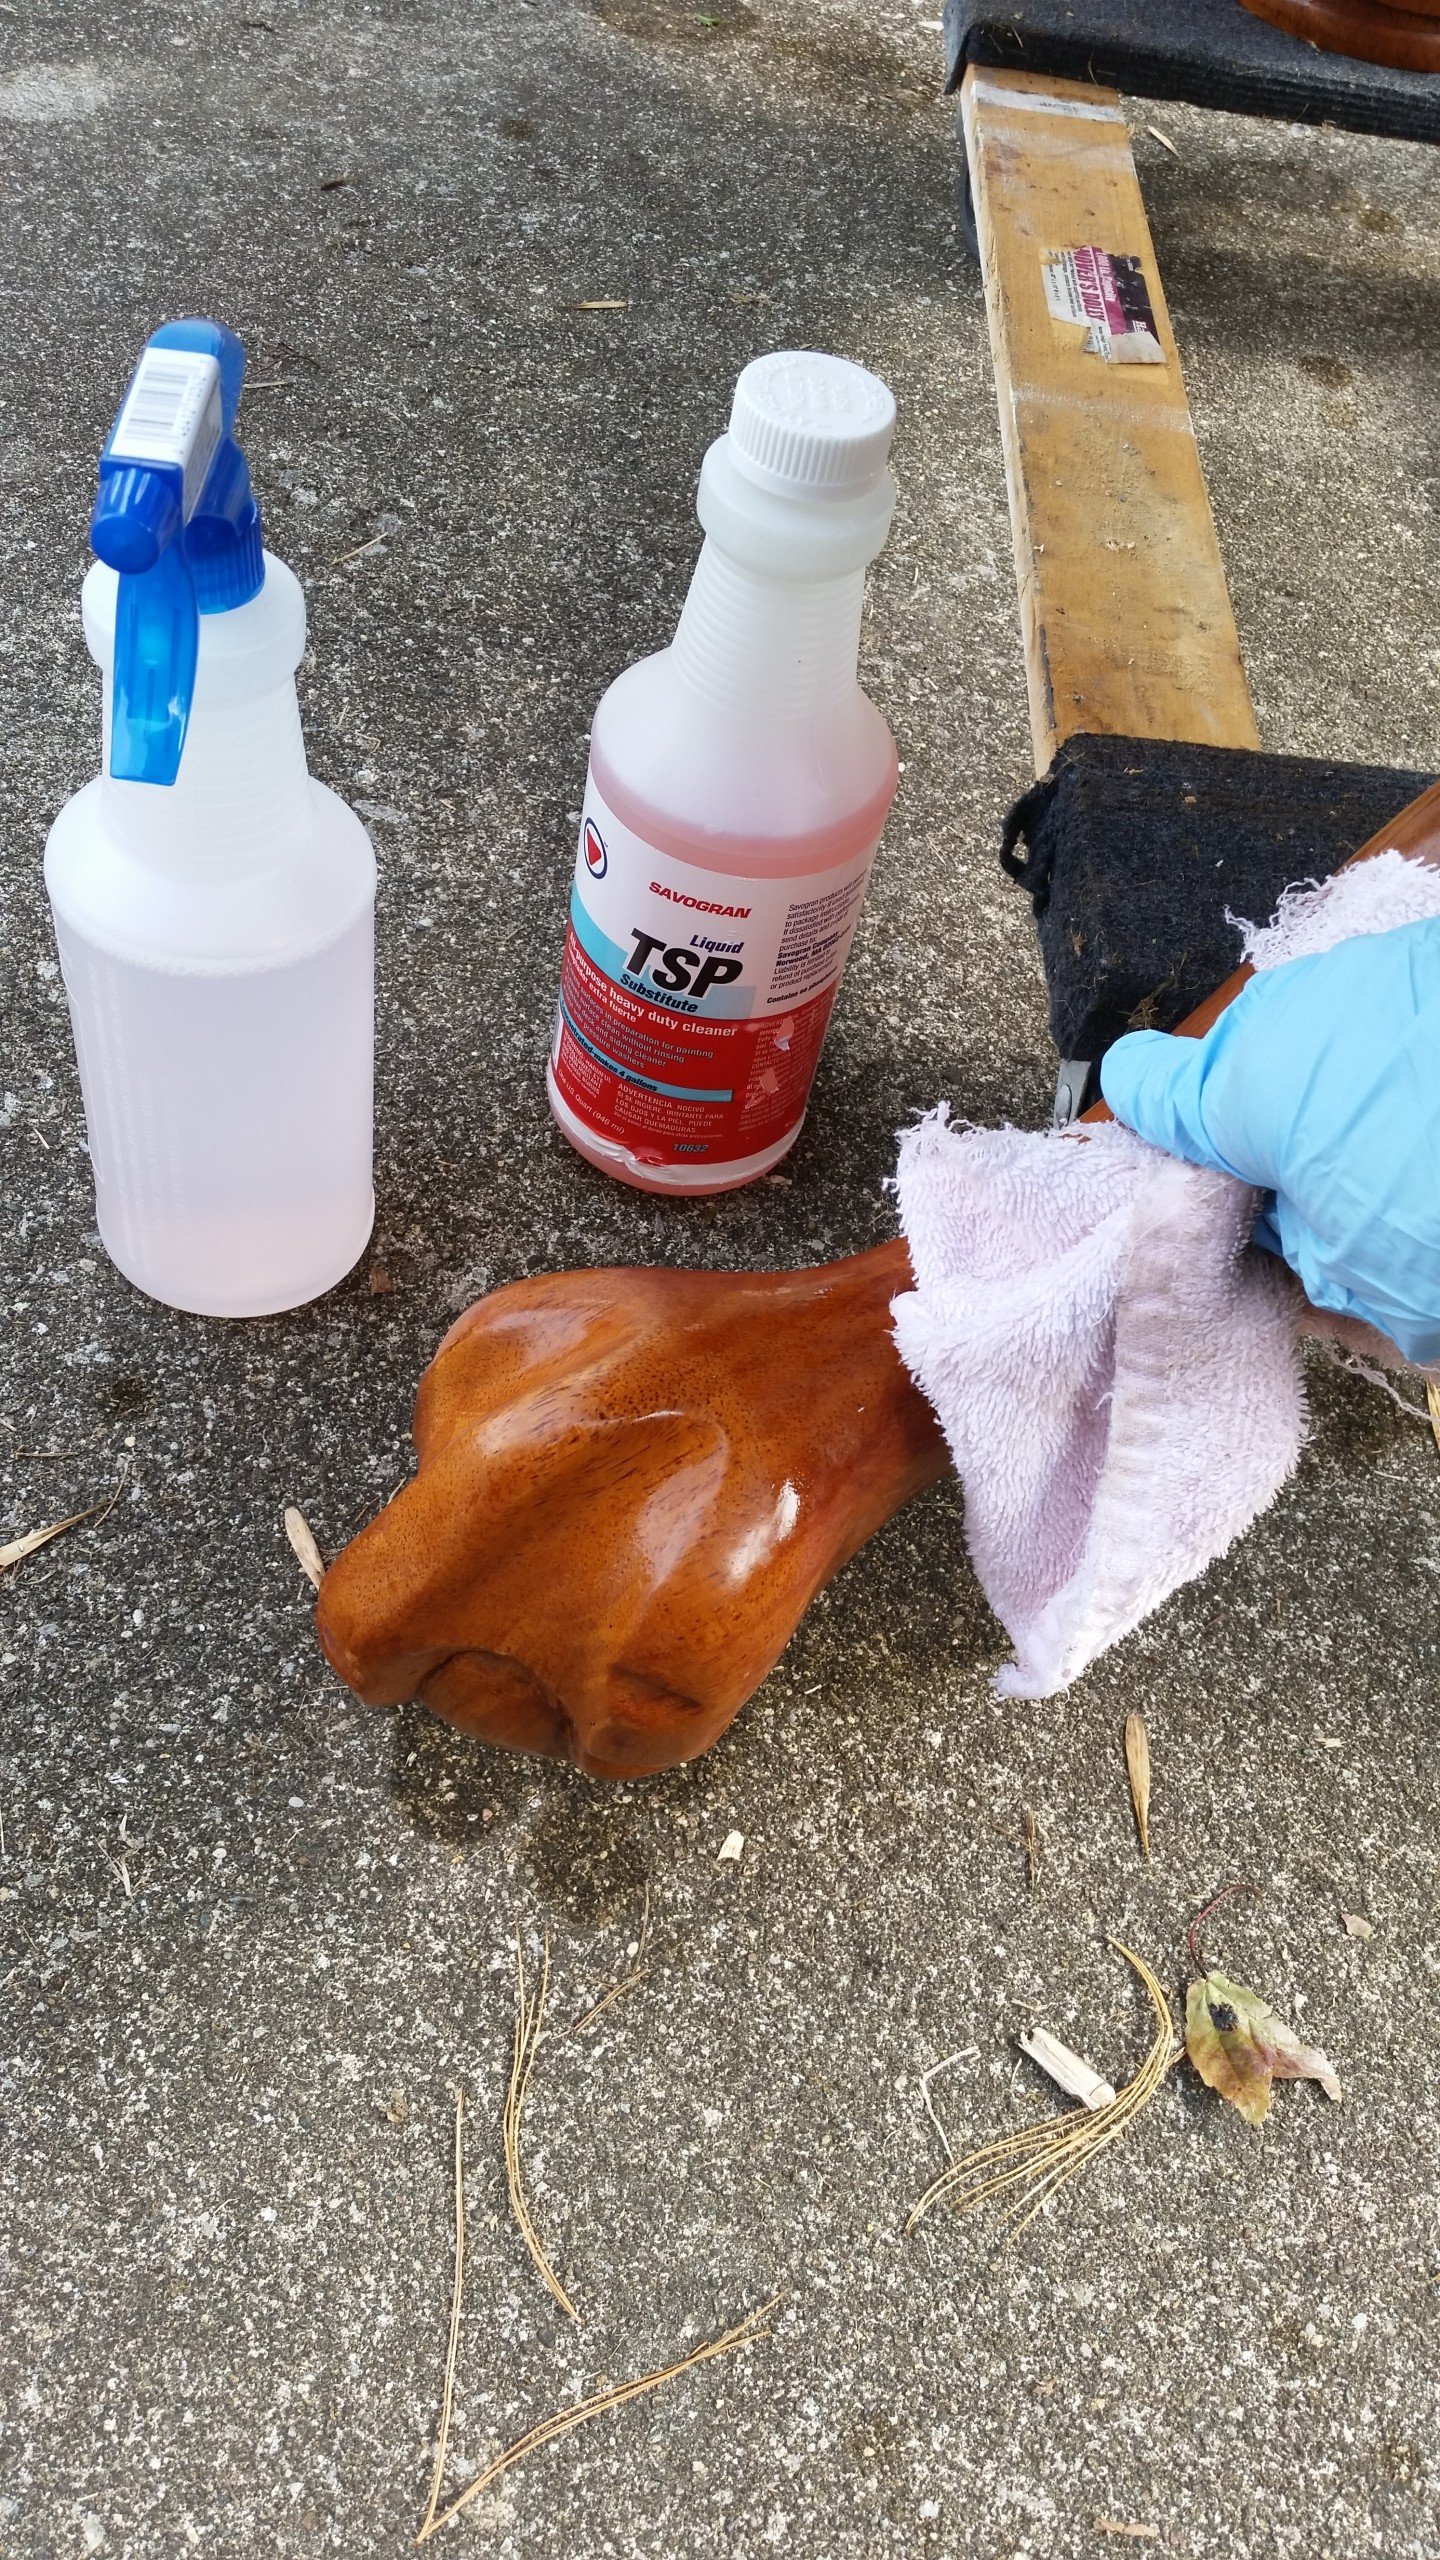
{"points": [[253, 1934]]}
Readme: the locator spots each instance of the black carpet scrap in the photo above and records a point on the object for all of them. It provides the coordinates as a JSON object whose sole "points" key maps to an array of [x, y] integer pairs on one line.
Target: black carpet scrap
{"points": [[1137, 851]]}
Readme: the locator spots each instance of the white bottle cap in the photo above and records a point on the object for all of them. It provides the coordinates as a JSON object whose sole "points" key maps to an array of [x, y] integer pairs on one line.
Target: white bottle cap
{"points": [[808, 425]]}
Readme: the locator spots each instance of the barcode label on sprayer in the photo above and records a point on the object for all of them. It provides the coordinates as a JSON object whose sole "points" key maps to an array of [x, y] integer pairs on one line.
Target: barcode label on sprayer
{"points": [[171, 415]]}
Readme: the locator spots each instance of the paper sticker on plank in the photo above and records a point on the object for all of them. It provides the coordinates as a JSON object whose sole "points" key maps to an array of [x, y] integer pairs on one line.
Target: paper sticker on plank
{"points": [[1109, 297]]}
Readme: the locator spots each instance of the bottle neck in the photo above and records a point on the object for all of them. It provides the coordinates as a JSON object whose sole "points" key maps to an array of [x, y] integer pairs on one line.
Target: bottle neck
{"points": [[785, 647], [242, 794]]}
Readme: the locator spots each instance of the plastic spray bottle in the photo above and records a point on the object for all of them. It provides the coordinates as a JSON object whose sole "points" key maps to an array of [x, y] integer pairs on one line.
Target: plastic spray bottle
{"points": [[738, 784], [214, 906]]}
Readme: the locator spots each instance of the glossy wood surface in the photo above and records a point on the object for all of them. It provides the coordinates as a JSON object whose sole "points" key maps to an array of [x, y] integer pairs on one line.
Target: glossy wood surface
{"points": [[1404, 35], [631, 1485]]}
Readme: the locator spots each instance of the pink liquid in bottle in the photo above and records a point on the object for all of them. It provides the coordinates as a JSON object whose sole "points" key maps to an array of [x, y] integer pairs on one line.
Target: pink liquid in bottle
{"points": [[738, 784]]}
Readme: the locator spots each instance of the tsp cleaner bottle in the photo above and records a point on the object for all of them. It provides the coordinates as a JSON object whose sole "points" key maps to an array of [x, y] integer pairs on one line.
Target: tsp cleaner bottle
{"points": [[738, 784], [214, 906]]}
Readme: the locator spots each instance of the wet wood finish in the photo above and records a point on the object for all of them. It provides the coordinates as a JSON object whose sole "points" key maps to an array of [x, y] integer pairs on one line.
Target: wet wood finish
{"points": [[1124, 608], [632, 1484], [1404, 35]]}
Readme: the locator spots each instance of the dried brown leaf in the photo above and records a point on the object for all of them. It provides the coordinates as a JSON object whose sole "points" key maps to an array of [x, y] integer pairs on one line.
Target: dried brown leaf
{"points": [[1137, 1761], [1432, 1399], [1240, 2046]]}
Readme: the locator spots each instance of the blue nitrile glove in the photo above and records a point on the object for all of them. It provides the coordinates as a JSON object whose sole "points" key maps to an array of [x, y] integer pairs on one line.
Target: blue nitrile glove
{"points": [[1320, 1084]]}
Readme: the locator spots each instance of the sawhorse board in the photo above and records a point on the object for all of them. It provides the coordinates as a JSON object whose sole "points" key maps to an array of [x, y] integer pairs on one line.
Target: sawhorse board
{"points": [[1126, 616]]}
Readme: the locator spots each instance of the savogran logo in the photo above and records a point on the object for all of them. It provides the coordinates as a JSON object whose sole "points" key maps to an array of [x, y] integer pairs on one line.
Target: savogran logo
{"points": [[592, 845]]}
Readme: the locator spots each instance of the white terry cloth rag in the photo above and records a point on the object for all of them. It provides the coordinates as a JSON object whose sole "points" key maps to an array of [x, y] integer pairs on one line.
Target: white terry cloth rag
{"points": [[1116, 1367]]}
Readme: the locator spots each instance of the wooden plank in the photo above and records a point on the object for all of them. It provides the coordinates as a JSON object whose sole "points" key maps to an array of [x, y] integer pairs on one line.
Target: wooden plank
{"points": [[1124, 608]]}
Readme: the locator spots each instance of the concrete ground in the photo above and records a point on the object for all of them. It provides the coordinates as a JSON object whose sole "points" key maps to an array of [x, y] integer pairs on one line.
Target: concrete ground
{"points": [[254, 1934]]}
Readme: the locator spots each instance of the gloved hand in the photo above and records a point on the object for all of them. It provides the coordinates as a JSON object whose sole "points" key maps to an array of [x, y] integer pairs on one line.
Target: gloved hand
{"points": [[1321, 1085]]}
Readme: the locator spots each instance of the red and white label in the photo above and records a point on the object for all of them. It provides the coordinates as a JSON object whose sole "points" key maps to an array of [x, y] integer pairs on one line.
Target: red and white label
{"points": [[1108, 294], [693, 1003]]}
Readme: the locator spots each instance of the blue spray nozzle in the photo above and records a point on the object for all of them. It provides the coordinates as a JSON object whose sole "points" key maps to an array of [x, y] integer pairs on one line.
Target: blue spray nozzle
{"points": [[176, 516]]}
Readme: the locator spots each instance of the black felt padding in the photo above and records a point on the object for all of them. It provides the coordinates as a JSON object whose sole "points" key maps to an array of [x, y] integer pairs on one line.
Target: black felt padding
{"points": [[1210, 53], [1132, 849]]}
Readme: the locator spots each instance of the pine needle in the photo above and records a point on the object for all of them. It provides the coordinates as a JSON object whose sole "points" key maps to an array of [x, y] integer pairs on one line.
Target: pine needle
{"points": [[745, 2333], [1033, 2165], [606, 2001], [19, 1548], [447, 2397], [639, 1972], [529, 2016], [1137, 1761]]}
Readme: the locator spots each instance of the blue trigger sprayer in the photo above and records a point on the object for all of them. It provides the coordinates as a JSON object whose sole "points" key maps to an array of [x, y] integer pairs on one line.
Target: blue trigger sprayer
{"points": [[176, 519], [213, 904]]}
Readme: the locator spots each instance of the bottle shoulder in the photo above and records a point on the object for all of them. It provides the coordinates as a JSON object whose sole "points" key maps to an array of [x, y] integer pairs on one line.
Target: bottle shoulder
{"points": [[309, 893], [733, 789]]}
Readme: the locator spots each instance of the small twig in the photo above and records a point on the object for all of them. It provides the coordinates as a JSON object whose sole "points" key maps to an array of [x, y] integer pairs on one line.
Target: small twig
{"points": [[1068, 2069], [745, 2333], [529, 2016], [1034, 1848], [1192, 1934], [437, 2480]]}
